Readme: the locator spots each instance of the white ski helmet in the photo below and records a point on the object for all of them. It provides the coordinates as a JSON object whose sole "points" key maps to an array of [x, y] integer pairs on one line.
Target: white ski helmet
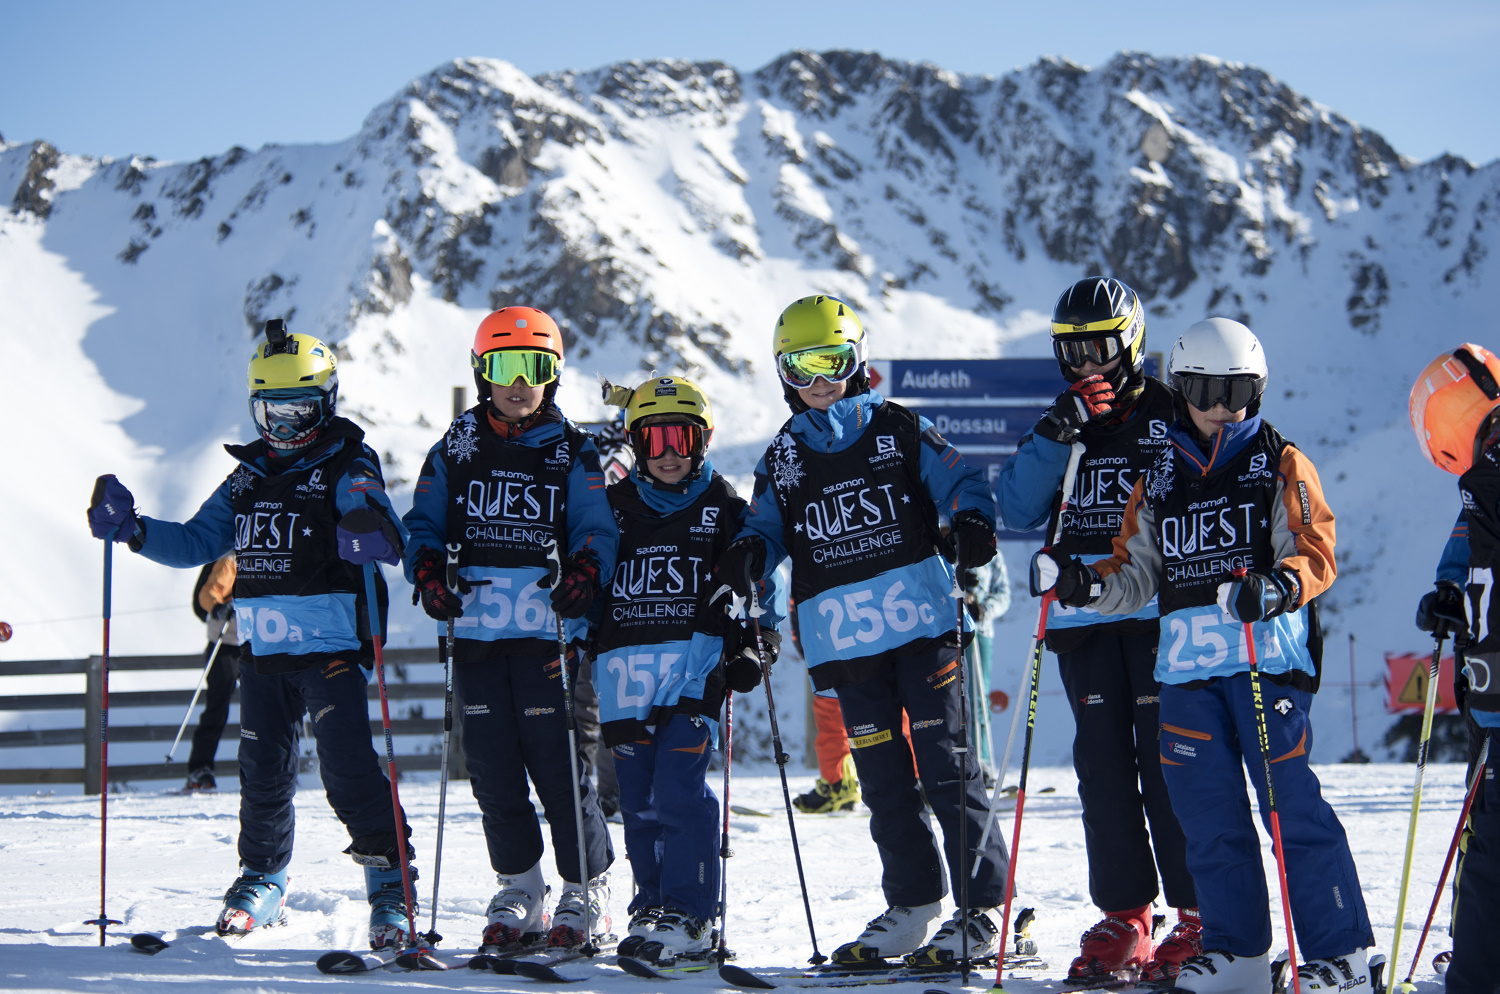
{"points": [[1219, 360]]}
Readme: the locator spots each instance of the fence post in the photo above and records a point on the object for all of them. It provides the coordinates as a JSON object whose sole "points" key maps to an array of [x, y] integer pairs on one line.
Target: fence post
{"points": [[93, 701]]}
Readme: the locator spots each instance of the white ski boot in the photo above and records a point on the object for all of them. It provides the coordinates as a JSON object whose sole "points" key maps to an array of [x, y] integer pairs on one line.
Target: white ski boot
{"points": [[642, 921], [568, 919], [1352, 973], [516, 915], [677, 935], [947, 945], [255, 900], [1218, 972], [896, 932]]}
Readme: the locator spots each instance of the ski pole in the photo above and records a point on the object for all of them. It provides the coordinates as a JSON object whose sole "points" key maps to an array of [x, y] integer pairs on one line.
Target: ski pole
{"points": [[962, 752], [1406, 986], [372, 610], [1416, 798], [1070, 476], [1010, 741], [554, 557], [724, 851], [781, 759], [1275, 819], [202, 679], [437, 858], [104, 921]]}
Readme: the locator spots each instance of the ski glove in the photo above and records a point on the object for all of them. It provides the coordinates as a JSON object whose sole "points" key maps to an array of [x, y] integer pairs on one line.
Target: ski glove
{"points": [[742, 671], [975, 537], [440, 603], [744, 559], [574, 590], [1071, 581], [1090, 399], [1442, 610], [1259, 596], [112, 511], [367, 536]]}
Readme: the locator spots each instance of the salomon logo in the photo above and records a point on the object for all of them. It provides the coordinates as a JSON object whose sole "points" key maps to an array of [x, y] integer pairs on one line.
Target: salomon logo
{"points": [[710, 517], [885, 444], [1258, 462], [1158, 428]]}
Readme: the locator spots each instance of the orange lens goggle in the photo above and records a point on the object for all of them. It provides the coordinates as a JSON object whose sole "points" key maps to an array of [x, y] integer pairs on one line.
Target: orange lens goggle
{"points": [[653, 441]]}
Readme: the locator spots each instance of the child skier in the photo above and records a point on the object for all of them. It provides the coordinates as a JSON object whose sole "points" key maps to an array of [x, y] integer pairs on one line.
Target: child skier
{"points": [[850, 489], [663, 657], [508, 479], [1106, 663], [304, 510], [1229, 528], [1455, 410]]}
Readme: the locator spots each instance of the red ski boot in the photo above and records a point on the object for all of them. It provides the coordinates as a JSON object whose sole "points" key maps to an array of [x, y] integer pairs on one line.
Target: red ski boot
{"points": [[1113, 951], [1185, 939]]}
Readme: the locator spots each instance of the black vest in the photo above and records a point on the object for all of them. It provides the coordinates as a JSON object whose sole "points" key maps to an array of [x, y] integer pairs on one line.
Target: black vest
{"points": [[1480, 490]]}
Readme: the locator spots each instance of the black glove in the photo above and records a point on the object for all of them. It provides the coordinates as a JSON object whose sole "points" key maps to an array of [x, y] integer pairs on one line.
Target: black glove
{"points": [[1259, 596], [440, 603], [574, 590], [743, 560], [365, 535], [742, 671], [968, 580], [1090, 399], [222, 611], [1071, 581], [112, 511], [1442, 610], [975, 537]]}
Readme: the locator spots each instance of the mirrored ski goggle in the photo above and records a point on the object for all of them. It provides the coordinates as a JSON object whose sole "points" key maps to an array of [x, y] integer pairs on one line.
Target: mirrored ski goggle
{"points": [[1074, 352], [285, 418], [536, 368], [1204, 392], [832, 362], [653, 441]]}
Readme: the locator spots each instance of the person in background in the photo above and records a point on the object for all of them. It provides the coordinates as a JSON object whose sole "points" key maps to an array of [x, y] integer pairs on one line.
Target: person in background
{"points": [[213, 603]]}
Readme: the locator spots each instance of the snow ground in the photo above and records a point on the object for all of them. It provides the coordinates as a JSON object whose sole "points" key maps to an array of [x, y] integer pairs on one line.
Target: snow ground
{"points": [[170, 858]]}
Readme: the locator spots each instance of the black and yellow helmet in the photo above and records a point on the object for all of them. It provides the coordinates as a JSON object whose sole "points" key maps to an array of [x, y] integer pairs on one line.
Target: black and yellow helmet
{"points": [[1096, 320], [294, 387]]}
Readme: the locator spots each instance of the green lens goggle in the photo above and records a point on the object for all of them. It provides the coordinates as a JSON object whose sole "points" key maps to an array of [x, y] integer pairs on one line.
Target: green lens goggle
{"points": [[536, 368]]}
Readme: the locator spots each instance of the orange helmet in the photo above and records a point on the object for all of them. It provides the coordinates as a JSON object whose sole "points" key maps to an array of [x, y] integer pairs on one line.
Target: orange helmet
{"points": [[1450, 403], [518, 328]]}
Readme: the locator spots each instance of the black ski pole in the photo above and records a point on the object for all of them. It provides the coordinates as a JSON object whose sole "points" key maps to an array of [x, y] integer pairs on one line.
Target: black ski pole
{"points": [[437, 858], [104, 921], [962, 752], [781, 759], [724, 851]]}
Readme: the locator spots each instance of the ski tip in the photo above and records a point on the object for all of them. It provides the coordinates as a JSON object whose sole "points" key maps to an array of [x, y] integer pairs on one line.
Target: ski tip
{"points": [[420, 959], [737, 976], [147, 943], [537, 971], [636, 968], [342, 961], [740, 809]]}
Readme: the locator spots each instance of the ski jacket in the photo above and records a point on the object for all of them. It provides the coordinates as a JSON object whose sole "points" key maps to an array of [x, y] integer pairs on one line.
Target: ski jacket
{"points": [[852, 495], [654, 653], [1029, 495], [1253, 502], [215, 586], [1479, 488], [296, 603], [504, 501]]}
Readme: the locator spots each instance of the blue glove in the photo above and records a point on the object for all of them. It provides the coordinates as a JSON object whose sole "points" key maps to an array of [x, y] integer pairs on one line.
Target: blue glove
{"points": [[367, 536], [1259, 596], [112, 511]]}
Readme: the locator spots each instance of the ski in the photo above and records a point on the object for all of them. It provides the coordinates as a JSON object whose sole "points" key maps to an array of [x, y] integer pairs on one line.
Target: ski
{"points": [[740, 809], [650, 971], [147, 943], [342, 961], [839, 976]]}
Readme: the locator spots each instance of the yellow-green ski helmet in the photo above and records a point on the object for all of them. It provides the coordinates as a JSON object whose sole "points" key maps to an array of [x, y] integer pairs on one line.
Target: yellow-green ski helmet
{"points": [[819, 336], [668, 395], [668, 412], [294, 387]]}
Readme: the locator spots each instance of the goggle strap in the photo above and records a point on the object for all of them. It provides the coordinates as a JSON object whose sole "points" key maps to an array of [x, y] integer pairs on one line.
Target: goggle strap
{"points": [[1479, 372]]}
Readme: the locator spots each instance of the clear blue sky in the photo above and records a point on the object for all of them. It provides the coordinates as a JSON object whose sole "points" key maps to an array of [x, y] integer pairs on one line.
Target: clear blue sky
{"points": [[179, 80]]}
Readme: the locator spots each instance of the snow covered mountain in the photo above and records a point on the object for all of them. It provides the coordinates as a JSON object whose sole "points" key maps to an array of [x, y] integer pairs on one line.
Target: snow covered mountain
{"points": [[664, 212]]}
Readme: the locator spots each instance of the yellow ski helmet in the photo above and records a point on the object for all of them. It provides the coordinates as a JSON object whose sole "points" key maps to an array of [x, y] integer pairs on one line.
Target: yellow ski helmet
{"points": [[294, 387], [817, 322], [668, 395]]}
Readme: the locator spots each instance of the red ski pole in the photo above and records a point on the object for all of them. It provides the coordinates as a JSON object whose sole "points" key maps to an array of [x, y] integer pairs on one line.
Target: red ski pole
{"points": [[104, 921]]}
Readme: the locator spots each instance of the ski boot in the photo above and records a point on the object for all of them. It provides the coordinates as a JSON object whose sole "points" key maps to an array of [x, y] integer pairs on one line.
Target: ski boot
{"points": [[896, 932], [1023, 954], [1185, 940], [677, 935], [389, 926], [642, 921], [568, 919], [947, 947], [255, 900], [1114, 950], [1218, 972], [1353, 973], [517, 914], [826, 798], [201, 779]]}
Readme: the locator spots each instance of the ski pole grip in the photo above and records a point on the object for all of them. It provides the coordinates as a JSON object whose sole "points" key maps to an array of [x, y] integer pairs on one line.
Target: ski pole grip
{"points": [[452, 578]]}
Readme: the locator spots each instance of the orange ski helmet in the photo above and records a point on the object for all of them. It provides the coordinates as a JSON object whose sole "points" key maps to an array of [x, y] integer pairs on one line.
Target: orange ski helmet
{"points": [[515, 328], [1451, 403]]}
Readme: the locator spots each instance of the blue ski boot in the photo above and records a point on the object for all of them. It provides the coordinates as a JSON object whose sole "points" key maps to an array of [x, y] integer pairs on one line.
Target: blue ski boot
{"points": [[255, 900], [388, 923]]}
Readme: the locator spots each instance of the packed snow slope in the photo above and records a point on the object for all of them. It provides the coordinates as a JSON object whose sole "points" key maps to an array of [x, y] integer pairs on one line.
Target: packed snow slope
{"points": [[664, 212]]}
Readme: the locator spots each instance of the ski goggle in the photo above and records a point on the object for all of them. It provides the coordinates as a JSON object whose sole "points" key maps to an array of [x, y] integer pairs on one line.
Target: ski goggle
{"points": [[286, 419], [653, 441], [1204, 392], [536, 368], [832, 362], [1074, 352]]}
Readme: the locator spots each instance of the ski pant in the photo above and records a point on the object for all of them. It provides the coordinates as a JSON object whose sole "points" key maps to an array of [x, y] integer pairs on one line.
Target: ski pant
{"points": [[601, 761], [1208, 740], [271, 709], [218, 689], [831, 744], [1109, 682], [1476, 903], [925, 685], [514, 726], [671, 817]]}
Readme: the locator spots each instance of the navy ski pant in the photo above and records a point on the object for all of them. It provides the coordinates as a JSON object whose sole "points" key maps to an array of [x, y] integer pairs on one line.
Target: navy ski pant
{"points": [[925, 685], [511, 707], [671, 817], [1208, 742], [1111, 687], [218, 689], [271, 709], [1476, 903]]}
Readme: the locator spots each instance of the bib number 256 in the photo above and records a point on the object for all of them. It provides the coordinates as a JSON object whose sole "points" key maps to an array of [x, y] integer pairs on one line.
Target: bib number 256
{"points": [[869, 619]]}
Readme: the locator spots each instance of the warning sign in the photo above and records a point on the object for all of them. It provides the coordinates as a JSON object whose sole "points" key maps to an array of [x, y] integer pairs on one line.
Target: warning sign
{"points": [[1406, 683]]}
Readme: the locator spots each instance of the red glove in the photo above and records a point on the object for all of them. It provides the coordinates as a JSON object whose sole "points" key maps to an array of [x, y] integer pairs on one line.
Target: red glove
{"points": [[1087, 400], [574, 590], [438, 601]]}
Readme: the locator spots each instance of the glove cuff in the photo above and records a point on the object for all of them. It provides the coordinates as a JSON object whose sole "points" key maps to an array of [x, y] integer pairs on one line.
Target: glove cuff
{"points": [[1288, 592], [1054, 429]]}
